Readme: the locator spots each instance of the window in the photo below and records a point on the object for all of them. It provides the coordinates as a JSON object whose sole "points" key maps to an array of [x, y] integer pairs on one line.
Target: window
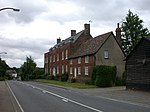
{"points": [[57, 70], [54, 71], [70, 70], [66, 68], [79, 60], [54, 58], [66, 54], [87, 59], [106, 55], [57, 57], [62, 55], [86, 71], [71, 61], [46, 60], [79, 70], [50, 59], [62, 69]]}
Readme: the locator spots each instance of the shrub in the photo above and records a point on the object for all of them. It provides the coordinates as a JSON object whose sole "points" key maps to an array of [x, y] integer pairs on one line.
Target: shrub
{"points": [[2, 78], [93, 76], [51, 77], [56, 77], [121, 81], [64, 77], [73, 80], [105, 75]]}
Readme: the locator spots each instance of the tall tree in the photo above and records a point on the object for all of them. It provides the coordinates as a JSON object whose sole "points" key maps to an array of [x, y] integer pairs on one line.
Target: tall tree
{"points": [[27, 69], [132, 31]]}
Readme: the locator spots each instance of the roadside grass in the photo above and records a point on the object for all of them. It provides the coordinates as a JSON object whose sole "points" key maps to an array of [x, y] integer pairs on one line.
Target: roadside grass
{"points": [[66, 84]]}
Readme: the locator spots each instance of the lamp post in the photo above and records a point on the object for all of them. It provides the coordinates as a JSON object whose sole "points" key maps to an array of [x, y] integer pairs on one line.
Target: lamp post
{"points": [[14, 9], [2, 53]]}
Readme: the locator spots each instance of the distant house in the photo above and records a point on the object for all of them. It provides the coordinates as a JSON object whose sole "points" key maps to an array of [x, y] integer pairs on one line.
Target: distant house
{"points": [[12, 73], [78, 54], [138, 66]]}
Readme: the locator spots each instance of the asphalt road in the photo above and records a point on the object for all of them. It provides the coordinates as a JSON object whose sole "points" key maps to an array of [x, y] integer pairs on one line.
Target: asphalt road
{"points": [[38, 97]]}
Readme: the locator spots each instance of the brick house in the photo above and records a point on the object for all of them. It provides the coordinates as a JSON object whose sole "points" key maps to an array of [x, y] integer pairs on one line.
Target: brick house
{"points": [[138, 66], [56, 60], [83, 52]]}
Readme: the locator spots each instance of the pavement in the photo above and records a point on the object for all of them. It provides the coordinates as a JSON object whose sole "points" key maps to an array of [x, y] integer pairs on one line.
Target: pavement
{"points": [[6, 104], [120, 94]]}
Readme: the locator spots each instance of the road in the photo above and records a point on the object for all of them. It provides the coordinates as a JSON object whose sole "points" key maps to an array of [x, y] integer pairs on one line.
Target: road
{"points": [[38, 97]]}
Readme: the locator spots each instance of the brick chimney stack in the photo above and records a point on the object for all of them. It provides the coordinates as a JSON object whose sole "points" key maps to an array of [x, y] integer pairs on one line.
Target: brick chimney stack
{"points": [[58, 40], [87, 29], [118, 34], [73, 32]]}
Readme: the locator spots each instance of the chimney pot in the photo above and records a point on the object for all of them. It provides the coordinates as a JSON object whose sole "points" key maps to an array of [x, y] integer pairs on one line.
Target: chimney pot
{"points": [[73, 32], [58, 40]]}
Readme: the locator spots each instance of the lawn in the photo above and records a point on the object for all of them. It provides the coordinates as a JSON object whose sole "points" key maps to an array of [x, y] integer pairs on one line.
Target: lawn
{"points": [[66, 84]]}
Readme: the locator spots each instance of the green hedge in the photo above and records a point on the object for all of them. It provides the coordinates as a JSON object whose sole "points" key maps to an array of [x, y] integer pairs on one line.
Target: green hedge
{"points": [[64, 77], [103, 76]]}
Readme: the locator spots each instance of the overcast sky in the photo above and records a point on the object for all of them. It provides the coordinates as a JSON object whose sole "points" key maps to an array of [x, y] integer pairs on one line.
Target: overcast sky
{"points": [[33, 30]]}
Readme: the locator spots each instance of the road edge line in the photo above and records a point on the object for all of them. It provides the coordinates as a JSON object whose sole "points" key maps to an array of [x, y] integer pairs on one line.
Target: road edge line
{"points": [[15, 97]]}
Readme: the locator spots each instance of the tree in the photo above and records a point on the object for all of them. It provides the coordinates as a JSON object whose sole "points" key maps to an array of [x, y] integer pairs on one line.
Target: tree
{"points": [[3, 68], [133, 30], [27, 69]]}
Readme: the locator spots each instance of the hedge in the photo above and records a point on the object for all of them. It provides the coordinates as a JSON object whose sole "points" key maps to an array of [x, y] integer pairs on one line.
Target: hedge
{"points": [[103, 75]]}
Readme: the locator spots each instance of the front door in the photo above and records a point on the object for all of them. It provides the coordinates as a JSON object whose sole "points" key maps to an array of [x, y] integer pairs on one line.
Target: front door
{"points": [[75, 72]]}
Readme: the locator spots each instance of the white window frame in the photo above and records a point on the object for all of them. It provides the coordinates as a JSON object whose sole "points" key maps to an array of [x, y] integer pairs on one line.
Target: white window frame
{"points": [[57, 69], [58, 57], [66, 54], [86, 59], [106, 54], [62, 69], [86, 71], [53, 58], [79, 70], [79, 60], [71, 61], [70, 70], [66, 68]]}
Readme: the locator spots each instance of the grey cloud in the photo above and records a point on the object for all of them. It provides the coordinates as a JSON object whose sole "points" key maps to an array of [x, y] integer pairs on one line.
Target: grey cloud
{"points": [[29, 9], [18, 49]]}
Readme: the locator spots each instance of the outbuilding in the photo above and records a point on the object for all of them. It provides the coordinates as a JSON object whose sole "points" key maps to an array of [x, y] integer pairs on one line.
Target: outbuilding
{"points": [[138, 66]]}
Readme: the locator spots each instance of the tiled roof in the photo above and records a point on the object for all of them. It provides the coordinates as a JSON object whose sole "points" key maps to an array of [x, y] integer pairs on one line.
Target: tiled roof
{"points": [[70, 39], [91, 46]]}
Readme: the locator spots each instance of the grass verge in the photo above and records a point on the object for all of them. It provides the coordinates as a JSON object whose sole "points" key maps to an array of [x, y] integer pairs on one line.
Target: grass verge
{"points": [[66, 84]]}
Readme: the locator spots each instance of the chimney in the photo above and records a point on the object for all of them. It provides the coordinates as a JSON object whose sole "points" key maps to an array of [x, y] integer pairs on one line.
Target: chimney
{"points": [[73, 32], [87, 29], [118, 34], [58, 40]]}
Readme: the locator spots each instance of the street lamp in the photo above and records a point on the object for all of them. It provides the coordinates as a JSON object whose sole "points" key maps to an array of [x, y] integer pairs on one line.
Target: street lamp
{"points": [[2, 53], [14, 9]]}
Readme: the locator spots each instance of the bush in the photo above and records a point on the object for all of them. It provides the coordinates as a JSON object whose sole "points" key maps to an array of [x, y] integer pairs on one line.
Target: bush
{"points": [[73, 80], [93, 77], [2, 78], [51, 77], [64, 77], [121, 81], [56, 77], [105, 75]]}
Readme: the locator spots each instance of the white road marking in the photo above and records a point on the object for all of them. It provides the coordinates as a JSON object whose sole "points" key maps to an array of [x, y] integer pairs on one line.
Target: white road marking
{"points": [[15, 98], [64, 98]]}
